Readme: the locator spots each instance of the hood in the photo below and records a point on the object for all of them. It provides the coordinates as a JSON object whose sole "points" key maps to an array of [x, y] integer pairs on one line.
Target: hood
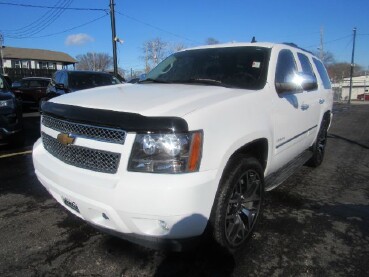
{"points": [[6, 95], [150, 99]]}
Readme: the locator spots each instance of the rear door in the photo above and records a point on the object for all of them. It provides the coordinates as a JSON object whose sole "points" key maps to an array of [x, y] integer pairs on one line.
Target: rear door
{"points": [[290, 113], [311, 100]]}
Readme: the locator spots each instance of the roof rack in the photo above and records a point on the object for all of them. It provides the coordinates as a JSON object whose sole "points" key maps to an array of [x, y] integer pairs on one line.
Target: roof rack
{"points": [[296, 46]]}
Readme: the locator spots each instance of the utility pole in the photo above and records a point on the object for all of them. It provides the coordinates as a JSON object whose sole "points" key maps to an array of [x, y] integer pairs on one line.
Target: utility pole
{"points": [[113, 36], [352, 65], [146, 57], [321, 43], [1, 52], [366, 75]]}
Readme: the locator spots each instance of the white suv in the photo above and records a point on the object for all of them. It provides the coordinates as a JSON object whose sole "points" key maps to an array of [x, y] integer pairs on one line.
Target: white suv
{"points": [[192, 147]]}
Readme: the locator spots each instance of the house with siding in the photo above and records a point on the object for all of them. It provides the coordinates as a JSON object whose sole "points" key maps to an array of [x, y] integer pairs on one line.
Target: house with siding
{"points": [[25, 62], [14, 57]]}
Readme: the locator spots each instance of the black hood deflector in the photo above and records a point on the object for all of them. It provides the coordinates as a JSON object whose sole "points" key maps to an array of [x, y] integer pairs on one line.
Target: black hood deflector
{"points": [[130, 122]]}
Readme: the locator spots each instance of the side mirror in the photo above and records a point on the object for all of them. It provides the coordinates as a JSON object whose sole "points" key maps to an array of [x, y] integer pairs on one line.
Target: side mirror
{"points": [[59, 86], [309, 82], [297, 82]]}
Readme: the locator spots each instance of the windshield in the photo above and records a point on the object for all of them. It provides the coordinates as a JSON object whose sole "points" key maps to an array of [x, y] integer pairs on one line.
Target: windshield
{"points": [[239, 67], [83, 80]]}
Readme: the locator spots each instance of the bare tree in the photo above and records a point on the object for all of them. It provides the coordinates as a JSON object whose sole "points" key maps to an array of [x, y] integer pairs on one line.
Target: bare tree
{"points": [[326, 57], [94, 61], [338, 71], [155, 50], [177, 47], [211, 41]]}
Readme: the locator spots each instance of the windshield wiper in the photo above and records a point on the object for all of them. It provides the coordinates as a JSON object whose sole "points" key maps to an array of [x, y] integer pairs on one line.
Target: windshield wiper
{"points": [[153, 81], [205, 81]]}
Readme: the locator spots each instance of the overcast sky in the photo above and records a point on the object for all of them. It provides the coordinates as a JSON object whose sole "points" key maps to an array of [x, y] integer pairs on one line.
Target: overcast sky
{"points": [[189, 22]]}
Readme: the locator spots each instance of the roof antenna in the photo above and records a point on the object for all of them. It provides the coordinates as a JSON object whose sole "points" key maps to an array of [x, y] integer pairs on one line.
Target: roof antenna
{"points": [[253, 40]]}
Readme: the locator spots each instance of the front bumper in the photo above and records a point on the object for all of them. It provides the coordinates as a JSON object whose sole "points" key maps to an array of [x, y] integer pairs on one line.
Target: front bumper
{"points": [[149, 209]]}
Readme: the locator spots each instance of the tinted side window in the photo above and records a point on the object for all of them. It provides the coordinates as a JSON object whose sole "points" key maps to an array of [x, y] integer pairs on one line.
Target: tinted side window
{"points": [[24, 84], [57, 77], [323, 74], [64, 79], [286, 66], [305, 64], [34, 84]]}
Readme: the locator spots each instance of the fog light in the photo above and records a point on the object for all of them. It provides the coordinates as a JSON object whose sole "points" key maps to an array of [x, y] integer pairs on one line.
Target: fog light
{"points": [[163, 225]]}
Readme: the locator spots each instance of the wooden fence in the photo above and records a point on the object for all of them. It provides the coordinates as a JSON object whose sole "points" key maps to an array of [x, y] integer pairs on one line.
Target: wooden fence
{"points": [[18, 73]]}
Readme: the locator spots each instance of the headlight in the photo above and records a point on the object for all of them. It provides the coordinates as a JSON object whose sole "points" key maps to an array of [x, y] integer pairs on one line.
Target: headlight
{"points": [[7, 103], [166, 153]]}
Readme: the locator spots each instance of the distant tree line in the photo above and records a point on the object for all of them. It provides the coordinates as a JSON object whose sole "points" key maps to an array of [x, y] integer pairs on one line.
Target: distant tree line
{"points": [[337, 71]]}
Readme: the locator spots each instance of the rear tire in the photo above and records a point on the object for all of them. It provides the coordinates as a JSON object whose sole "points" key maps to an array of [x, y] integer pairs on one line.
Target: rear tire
{"points": [[320, 144], [238, 204]]}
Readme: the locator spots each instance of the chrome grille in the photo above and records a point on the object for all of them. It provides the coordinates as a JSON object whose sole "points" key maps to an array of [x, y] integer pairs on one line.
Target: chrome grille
{"points": [[87, 158], [82, 130]]}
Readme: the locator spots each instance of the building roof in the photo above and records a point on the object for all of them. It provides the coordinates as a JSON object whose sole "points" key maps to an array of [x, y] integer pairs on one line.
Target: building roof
{"points": [[36, 54]]}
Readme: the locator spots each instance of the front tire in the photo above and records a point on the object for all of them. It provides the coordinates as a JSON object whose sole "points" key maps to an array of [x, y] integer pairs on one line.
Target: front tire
{"points": [[238, 204]]}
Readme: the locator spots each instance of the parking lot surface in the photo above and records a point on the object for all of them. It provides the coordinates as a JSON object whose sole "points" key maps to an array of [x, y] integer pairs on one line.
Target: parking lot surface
{"points": [[315, 224]]}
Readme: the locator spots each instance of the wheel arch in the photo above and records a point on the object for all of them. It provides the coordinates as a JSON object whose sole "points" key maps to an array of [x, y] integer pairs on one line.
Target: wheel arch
{"points": [[327, 115], [257, 148]]}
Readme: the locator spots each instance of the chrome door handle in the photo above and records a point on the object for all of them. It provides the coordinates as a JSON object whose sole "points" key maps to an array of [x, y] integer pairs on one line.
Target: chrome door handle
{"points": [[321, 101], [304, 107]]}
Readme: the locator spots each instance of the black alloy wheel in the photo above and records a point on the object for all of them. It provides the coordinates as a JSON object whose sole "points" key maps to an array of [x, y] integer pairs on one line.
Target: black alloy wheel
{"points": [[239, 203]]}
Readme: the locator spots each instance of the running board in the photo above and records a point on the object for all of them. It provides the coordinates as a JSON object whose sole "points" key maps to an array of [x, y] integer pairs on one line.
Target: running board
{"points": [[275, 179]]}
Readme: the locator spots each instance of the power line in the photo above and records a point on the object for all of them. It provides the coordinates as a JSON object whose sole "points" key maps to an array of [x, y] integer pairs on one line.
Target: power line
{"points": [[67, 30], [43, 23], [42, 17], [341, 38], [155, 27], [50, 7]]}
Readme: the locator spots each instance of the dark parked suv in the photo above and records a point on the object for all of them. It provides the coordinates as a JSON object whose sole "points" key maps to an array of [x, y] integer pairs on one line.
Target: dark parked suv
{"points": [[31, 90], [65, 81], [10, 116]]}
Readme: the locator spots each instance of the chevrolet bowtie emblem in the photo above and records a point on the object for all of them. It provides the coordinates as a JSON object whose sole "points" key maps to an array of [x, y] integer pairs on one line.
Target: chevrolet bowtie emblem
{"points": [[65, 139]]}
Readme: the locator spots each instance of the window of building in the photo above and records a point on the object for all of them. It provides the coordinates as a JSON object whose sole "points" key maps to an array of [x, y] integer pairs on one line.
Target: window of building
{"points": [[17, 64], [43, 65], [25, 64]]}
